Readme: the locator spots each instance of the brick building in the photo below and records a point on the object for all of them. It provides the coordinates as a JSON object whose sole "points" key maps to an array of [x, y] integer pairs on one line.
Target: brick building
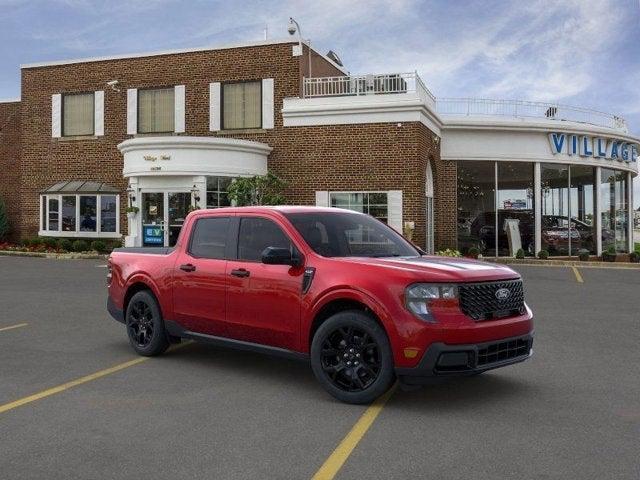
{"points": [[168, 131]]}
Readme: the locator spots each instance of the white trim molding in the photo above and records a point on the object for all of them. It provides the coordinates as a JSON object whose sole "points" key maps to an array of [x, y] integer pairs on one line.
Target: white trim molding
{"points": [[394, 210], [98, 113], [56, 115], [183, 155], [179, 108], [215, 110], [132, 111], [322, 198], [268, 107]]}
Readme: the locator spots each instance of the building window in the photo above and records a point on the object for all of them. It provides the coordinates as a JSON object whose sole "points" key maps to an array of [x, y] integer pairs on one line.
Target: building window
{"points": [[371, 203], [79, 216], [516, 221], [217, 192], [78, 114], [476, 207], [156, 110], [614, 209], [241, 105]]}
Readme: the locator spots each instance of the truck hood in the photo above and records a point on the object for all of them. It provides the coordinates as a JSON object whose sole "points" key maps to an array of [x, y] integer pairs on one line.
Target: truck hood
{"points": [[440, 269]]}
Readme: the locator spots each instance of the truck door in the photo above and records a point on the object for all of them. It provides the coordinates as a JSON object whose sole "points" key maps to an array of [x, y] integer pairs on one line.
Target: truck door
{"points": [[263, 301], [199, 277]]}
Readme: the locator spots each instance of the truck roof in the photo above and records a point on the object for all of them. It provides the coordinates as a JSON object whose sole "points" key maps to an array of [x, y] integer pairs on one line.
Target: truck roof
{"points": [[280, 208]]}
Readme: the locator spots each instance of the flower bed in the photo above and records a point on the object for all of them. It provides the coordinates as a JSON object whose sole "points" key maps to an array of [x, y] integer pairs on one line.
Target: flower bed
{"points": [[48, 245]]}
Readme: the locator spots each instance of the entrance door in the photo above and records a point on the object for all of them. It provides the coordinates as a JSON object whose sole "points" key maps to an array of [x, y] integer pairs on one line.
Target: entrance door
{"points": [[153, 219], [179, 203], [163, 214]]}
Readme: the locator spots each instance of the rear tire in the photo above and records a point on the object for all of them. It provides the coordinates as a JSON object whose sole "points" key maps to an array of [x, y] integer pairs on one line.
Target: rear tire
{"points": [[145, 326], [351, 357]]}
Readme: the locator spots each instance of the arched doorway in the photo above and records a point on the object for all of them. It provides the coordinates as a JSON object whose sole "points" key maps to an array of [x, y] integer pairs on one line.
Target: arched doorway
{"points": [[429, 244]]}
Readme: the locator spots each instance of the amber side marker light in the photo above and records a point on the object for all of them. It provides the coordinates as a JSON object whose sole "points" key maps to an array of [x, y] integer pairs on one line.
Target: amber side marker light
{"points": [[411, 352]]}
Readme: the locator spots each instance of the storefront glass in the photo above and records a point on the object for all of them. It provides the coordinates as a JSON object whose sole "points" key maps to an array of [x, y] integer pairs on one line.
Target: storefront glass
{"points": [[582, 208], [476, 207], [69, 213], [516, 219], [555, 233], [613, 207]]}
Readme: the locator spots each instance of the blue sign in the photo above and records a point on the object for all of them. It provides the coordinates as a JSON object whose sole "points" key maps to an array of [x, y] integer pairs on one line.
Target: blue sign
{"points": [[152, 235], [597, 147]]}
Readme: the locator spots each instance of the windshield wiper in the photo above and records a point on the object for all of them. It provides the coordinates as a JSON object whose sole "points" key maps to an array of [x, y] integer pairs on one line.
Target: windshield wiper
{"points": [[383, 255]]}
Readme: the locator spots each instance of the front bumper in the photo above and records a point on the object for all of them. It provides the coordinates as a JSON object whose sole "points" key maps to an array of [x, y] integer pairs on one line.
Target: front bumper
{"points": [[441, 359]]}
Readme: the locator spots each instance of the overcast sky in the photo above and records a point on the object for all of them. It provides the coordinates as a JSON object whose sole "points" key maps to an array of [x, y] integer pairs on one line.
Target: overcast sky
{"points": [[581, 52]]}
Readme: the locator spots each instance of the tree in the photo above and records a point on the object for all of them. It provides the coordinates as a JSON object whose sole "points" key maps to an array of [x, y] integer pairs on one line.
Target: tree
{"points": [[4, 221], [257, 190]]}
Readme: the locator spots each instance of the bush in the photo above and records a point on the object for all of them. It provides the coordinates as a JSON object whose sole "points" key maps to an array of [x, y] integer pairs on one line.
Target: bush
{"points": [[65, 244], [543, 254], [98, 246], [35, 242], [449, 252], [610, 254], [583, 254], [80, 246], [634, 257], [520, 254], [50, 242], [474, 252], [26, 242]]}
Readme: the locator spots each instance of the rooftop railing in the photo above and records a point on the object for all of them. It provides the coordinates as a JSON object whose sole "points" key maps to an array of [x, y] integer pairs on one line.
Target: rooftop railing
{"points": [[356, 85], [526, 109]]}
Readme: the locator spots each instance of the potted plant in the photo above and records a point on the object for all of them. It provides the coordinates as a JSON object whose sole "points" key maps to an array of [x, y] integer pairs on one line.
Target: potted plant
{"points": [[610, 254], [132, 212], [583, 255]]}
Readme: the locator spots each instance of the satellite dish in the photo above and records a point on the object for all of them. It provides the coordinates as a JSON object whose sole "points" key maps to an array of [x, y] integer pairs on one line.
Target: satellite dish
{"points": [[334, 56]]}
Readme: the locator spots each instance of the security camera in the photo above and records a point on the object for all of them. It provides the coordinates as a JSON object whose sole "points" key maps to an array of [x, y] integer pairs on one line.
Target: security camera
{"points": [[292, 27], [113, 84]]}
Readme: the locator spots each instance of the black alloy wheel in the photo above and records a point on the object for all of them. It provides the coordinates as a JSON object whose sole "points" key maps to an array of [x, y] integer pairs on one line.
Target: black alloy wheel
{"points": [[145, 327], [351, 357], [140, 323]]}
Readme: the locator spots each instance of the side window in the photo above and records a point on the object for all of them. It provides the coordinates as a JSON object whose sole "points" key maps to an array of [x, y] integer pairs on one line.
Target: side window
{"points": [[209, 238], [256, 234]]}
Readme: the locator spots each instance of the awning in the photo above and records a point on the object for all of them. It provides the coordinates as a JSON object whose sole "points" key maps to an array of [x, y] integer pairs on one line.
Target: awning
{"points": [[81, 186]]}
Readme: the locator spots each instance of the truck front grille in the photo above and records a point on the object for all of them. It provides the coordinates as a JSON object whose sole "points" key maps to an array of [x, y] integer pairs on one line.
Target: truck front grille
{"points": [[498, 352], [491, 300]]}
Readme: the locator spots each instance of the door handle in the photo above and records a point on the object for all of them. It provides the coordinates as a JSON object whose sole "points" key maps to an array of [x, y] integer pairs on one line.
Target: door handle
{"points": [[188, 267], [241, 272]]}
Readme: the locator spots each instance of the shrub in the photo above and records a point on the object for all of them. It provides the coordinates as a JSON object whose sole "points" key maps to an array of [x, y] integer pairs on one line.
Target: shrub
{"points": [[65, 244], [583, 254], [26, 242], [474, 252], [634, 257], [98, 246], [609, 255], [80, 246], [543, 254], [35, 242], [49, 242], [520, 254], [449, 252]]}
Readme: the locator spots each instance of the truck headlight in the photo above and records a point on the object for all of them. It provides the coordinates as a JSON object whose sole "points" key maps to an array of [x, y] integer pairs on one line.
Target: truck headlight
{"points": [[419, 297]]}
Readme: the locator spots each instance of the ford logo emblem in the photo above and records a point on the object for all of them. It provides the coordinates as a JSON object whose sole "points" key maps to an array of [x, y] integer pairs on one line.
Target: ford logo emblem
{"points": [[503, 293]]}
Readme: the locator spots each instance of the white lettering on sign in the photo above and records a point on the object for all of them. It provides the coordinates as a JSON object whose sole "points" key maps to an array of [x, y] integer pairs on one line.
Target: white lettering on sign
{"points": [[597, 147]]}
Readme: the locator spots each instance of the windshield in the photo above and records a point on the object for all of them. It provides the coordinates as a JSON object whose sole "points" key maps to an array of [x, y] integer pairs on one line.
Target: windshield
{"points": [[343, 234]]}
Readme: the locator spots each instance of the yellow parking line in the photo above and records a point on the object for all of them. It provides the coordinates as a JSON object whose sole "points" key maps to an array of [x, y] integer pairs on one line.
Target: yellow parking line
{"points": [[334, 463], [74, 383], [19, 325], [577, 274]]}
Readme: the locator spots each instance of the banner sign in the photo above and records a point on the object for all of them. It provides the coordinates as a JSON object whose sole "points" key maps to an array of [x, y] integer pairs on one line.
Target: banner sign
{"points": [[152, 235]]}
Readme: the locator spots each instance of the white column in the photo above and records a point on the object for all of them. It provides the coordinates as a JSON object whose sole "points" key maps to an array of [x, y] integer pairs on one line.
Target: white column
{"points": [[537, 203], [598, 210], [630, 212], [134, 227]]}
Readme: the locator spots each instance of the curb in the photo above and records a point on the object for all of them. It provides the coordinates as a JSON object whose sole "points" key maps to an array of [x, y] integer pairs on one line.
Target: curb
{"points": [[56, 256], [565, 263]]}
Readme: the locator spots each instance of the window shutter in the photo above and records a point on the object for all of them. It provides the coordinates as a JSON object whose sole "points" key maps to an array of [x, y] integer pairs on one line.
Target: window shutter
{"points": [[267, 103], [394, 206], [179, 99], [98, 112], [132, 111], [56, 115], [322, 198], [215, 112]]}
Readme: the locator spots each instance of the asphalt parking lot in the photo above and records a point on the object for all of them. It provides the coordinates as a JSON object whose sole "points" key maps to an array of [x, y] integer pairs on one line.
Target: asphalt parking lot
{"points": [[571, 412]]}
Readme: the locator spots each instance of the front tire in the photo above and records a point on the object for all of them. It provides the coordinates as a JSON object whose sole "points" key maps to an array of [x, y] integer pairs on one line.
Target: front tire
{"points": [[351, 357], [145, 326]]}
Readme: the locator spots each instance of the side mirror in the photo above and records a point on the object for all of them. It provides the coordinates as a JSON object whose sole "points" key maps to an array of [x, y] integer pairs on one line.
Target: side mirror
{"points": [[281, 256]]}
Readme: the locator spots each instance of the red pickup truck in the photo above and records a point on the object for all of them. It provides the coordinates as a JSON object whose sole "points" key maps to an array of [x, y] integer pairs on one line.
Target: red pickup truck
{"points": [[335, 287]]}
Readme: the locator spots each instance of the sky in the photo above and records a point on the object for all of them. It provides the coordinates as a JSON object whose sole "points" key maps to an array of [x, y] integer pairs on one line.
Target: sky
{"points": [[577, 52]]}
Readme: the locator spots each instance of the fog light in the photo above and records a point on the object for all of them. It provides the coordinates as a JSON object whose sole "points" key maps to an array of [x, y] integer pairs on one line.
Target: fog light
{"points": [[454, 360]]}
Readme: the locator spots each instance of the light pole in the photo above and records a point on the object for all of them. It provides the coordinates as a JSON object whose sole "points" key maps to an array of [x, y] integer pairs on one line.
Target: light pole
{"points": [[292, 29]]}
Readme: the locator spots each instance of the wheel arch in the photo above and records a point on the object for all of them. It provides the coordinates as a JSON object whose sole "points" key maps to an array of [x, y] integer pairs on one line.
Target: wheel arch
{"points": [[137, 285]]}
